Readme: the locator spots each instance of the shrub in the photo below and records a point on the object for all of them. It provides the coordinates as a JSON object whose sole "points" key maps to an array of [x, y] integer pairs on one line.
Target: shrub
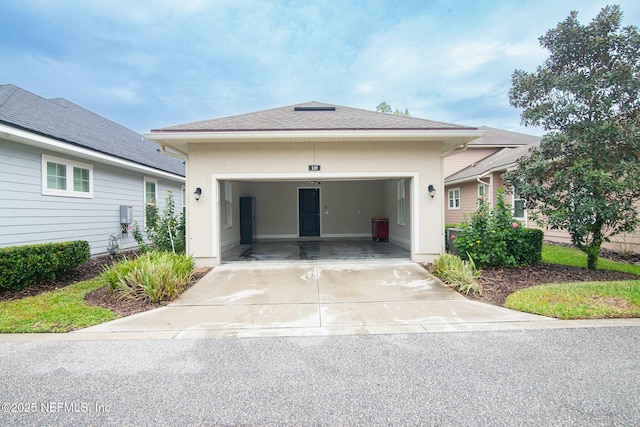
{"points": [[491, 237], [23, 266], [457, 273], [529, 247], [165, 230], [154, 276]]}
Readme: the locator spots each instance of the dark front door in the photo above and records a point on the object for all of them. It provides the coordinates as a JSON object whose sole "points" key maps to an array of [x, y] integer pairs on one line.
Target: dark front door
{"points": [[309, 211]]}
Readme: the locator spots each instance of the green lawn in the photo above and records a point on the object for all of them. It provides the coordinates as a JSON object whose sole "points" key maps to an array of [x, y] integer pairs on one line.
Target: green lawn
{"points": [[61, 310], [571, 256], [587, 300]]}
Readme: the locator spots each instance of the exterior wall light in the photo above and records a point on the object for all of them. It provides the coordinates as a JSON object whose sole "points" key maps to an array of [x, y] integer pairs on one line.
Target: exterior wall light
{"points": [[198, 193], [432, 190]]}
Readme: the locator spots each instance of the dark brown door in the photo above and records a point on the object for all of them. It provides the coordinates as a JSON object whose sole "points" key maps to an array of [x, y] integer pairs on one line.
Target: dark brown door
{"points": [[309, 211]]}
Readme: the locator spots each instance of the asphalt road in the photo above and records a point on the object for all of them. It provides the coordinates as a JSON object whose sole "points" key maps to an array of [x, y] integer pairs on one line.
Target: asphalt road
{"points": [[569, 377]]}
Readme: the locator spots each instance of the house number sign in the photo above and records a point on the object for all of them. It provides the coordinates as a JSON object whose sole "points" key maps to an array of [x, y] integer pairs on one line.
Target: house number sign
{"points": [[314, 168]]}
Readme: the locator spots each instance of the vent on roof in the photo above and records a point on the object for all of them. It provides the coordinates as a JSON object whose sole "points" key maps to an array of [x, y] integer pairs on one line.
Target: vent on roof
{"points": [[325, 108]]}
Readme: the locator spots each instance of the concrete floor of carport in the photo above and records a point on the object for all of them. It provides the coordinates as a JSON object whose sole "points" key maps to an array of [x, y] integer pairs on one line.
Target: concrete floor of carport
{"points": [[314, 249], [314, 298]]}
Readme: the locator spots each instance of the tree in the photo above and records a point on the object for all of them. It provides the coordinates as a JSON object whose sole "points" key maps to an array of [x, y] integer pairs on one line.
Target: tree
{"points": [[584, 177], [383, 107], [165, 230]]}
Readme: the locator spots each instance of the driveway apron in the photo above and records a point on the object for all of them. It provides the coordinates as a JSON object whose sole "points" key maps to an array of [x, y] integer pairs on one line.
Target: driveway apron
{"points": [[315, 298]]}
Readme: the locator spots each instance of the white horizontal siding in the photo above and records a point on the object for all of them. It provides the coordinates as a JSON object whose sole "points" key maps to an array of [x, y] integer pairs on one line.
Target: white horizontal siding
{"points": [[27, 216]]}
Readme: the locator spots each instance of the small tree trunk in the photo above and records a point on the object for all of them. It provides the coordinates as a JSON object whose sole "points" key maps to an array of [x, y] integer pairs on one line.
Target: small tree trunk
{"points": [[593, 251]]}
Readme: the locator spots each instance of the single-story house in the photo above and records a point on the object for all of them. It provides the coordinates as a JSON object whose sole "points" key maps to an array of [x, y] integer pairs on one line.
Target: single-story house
{"points": [[67, 173], [484, 178], [315, 170]]}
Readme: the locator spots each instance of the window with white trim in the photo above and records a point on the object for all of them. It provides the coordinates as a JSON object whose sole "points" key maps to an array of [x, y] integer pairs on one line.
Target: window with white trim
{"points": [[482, 193], [401, 198], [62, 177], [150, 192], [228, 203], [454, 198], [519, 210]]}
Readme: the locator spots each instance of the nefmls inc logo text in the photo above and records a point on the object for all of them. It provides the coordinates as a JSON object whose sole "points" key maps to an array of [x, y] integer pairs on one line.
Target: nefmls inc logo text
{"points": [[72, 407]]}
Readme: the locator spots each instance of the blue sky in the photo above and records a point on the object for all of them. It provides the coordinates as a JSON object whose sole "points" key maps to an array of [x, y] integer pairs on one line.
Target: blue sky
{"points": [[152, 64]]}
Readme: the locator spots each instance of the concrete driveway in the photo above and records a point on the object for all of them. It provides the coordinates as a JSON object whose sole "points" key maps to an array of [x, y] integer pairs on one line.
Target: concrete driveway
{"points": [[314, 298]]}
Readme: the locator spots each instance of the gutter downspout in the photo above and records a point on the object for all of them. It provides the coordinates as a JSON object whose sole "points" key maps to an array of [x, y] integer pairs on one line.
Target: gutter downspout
{"points": [[450, 152], [174, 153], [455, 150]]}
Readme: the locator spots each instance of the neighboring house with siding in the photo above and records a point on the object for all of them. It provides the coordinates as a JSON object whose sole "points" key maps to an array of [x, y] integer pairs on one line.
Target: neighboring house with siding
{"points": [[65, 171], [484, 178]]}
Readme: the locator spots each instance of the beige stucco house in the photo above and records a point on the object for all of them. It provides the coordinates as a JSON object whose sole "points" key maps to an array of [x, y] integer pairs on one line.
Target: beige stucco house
{"points": [[315, 170]]}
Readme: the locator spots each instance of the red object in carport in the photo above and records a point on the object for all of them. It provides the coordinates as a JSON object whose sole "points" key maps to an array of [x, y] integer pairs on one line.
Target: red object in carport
{"points": [[380, 229]]}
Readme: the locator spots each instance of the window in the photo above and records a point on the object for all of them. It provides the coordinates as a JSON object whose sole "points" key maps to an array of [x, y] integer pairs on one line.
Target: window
{"points": [[454, 198], [61, 177], [150, 192], [401, 198], [519, 211], [482, 193], [228, 203]]}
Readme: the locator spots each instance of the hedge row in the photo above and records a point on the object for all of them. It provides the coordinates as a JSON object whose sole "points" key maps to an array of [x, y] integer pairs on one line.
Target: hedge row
{"points": [[22, 266]]}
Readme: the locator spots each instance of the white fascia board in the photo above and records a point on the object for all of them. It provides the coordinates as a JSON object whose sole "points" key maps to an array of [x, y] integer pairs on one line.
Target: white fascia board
{"points": [[314, 176], [40, 141], [249, 136]]}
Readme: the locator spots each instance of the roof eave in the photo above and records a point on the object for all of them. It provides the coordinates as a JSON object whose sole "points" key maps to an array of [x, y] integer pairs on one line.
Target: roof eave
{"points": [[180, 139], [54, 144]]}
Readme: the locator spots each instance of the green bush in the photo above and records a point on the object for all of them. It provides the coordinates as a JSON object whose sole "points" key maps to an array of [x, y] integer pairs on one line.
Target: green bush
{"points": [[165, 230], [457, 273], [23, 266], [154, 276], [491, 237], [529, 246]]}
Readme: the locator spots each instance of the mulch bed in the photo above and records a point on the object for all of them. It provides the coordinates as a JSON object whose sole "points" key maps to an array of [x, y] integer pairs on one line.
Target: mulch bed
{"points": [[100, 297], [497, 282], [103, 298]]}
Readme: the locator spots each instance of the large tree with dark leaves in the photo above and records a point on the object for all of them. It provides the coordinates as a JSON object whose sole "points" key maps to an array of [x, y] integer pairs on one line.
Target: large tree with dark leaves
{"points": [[584, 177]]}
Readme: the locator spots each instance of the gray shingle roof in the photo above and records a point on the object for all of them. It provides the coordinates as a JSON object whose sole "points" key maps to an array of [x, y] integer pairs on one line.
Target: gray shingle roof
{"points": [[311, 116], [65, 121], [502, 159], [502, 138]]}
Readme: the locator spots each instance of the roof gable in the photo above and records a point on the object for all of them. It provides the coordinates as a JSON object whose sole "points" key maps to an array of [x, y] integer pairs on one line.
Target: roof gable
{"points": [[65, 121], [311, 116]]}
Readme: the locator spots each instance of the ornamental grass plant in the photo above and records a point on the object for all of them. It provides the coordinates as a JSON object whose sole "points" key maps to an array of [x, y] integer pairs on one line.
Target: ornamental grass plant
{"points": [[154, 276], [457, 273]]}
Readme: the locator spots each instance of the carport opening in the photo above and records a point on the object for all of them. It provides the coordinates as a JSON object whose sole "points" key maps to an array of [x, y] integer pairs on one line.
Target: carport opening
{"points": [[313, 220]]}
